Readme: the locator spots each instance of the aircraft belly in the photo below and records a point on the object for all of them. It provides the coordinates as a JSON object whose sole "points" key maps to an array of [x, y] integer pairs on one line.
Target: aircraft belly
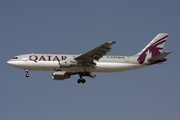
{"points": [[39, 66], [100, 67], [46, 66], [116, 67]]}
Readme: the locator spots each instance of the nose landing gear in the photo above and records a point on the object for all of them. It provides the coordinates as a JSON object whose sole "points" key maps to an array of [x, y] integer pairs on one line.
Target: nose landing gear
{"points": [[27, 75]]}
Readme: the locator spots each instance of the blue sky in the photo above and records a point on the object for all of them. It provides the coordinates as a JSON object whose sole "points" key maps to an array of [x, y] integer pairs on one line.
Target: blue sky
{"points": [[75, 27]]}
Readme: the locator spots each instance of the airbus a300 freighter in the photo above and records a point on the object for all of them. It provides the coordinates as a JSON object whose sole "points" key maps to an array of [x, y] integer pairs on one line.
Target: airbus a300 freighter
{"points": [[94, 60]]}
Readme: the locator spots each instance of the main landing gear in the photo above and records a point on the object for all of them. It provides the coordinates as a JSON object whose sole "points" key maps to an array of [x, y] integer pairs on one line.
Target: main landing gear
{"points": [[27, 75], [81, 80]]}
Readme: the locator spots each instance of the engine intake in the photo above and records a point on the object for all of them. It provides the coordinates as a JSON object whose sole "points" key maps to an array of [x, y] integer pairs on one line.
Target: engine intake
{"points": [[60, 75]]}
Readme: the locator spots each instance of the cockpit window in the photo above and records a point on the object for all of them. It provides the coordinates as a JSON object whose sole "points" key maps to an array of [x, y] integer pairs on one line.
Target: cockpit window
{"points": [[15, 57]]}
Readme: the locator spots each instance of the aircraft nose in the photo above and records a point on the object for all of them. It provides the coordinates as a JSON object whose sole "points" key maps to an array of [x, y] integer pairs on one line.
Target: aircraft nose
{"points": [[10, 62]]}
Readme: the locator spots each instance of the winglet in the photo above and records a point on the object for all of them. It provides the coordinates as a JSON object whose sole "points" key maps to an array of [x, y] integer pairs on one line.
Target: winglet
{"points": [[113, 42]]}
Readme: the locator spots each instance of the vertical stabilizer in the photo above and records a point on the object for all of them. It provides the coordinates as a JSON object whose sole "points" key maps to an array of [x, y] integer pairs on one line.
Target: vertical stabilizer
{"points": [[153, 49]]}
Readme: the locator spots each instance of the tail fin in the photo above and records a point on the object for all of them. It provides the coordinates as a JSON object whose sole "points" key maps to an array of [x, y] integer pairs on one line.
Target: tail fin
{"points": [[153, 49]]}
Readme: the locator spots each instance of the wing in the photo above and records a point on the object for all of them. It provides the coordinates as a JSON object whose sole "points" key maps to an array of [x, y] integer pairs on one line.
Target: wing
{"points": [[95, 54]]}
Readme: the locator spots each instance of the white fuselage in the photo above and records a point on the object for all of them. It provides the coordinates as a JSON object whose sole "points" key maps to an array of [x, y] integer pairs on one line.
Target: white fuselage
{"points": [[52, 62], [94, 60]]}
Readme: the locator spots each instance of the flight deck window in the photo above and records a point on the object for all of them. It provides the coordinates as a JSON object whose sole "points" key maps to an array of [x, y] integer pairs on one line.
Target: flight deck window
{"points": [[15, 57]]}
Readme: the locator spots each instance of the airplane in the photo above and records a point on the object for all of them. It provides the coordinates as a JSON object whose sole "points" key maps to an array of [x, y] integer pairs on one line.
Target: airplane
{"points": [[95, 60]]}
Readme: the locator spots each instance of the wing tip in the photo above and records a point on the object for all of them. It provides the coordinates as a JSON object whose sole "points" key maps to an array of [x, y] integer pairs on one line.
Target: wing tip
{"points": [[113, 42]]}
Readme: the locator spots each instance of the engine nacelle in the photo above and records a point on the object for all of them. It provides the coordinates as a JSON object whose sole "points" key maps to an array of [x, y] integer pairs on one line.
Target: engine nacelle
{"points": [[60, 75], [67, 64]]}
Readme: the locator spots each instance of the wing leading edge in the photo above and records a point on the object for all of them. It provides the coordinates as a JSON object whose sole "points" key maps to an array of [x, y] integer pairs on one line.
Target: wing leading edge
{"points": [[95, 54]]}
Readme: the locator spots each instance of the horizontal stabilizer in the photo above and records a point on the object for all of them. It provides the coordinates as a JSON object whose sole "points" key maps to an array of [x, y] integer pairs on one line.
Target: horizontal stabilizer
{"points": [[159, 58]]}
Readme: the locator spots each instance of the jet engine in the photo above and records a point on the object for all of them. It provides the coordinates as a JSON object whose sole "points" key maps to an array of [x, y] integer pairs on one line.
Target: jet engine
{"points": [[67, 64], [60, 75]]}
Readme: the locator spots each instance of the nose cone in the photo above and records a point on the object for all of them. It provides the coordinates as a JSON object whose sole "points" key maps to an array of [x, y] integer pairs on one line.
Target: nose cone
{"points": [[10, 62]]}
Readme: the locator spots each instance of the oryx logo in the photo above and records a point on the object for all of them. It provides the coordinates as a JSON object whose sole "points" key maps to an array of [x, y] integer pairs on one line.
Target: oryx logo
{"points": [[153, 50]]}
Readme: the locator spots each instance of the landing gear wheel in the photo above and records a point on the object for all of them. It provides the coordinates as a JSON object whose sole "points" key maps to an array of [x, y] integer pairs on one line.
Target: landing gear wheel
{"points": [[27, 75], [87, 73], [79, 81], [83, 81]]}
